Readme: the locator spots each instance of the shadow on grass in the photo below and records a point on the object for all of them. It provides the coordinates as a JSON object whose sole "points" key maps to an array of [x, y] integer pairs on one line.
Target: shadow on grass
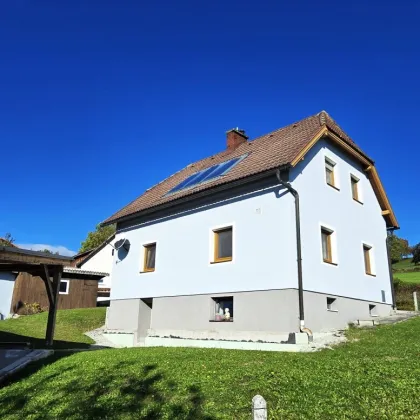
{"points": [[39, 343], [33, 367], [117, 391]]}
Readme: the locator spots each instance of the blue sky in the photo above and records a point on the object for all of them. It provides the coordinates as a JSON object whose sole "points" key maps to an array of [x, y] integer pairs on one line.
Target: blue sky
{"points": [[102, 99]]}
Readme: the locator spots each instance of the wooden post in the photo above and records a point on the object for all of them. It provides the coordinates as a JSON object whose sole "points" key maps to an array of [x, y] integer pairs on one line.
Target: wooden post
{"points": [[49, 337], [259, 408], [416, 302]]}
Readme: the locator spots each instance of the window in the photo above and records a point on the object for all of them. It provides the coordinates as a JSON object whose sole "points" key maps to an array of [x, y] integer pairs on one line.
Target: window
{"points": [[355, 188], [372, 310], [329, 172], [383, 296], [149, 257], [367, 257], [223, 245], [64, 287], [326, 245], [222, 309], [331, 304]]}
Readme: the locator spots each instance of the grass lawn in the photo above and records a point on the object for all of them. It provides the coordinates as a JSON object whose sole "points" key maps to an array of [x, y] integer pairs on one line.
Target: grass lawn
{"points": [[408, 277], [70, 326], [375, 376], [404, 264]]}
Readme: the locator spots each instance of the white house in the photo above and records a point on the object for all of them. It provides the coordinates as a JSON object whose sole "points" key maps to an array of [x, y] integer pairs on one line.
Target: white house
{"points": [[100, 259], [283, 233]]}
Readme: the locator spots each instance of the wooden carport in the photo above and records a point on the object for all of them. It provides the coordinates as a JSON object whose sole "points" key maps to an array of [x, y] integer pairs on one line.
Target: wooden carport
{"points": [[47, 266]]}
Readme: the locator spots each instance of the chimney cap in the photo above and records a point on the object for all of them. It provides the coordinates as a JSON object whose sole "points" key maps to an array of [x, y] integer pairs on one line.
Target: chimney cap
{"points": [[239, 131]]}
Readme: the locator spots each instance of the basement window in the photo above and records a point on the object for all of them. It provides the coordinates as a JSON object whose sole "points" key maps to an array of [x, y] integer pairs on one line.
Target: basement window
{"points": [[373, 311], [332, 304], [222, 309], [64, 287]]}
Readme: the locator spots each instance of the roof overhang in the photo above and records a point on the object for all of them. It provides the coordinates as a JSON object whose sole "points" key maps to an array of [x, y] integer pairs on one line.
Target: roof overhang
{"points": [[368, 166], [18, 255], [191, 197]]}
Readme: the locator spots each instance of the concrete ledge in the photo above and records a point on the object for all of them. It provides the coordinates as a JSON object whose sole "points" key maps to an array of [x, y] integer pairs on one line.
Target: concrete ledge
{"points": [[215, 344], [121, 338], [256, 336]]}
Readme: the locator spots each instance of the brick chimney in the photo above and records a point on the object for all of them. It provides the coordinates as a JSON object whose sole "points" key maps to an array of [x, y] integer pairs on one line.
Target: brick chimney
{"points": [[235, 137]]}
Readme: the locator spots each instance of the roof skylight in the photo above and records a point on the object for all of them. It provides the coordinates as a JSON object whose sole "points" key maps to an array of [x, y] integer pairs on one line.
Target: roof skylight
{"points": [[208, 174]]}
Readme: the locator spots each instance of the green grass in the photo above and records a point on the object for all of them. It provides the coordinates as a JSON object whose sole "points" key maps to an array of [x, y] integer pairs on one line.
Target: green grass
{"points": [[408, 277], [376, 376], [403, 264], [70, 326]]}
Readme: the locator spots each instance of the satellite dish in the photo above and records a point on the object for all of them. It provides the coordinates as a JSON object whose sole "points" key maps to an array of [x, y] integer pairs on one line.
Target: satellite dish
{"points": [[122, 244]]}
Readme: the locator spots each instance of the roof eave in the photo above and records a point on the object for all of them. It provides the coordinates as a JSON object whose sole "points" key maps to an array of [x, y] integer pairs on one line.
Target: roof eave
{"points": [[366, 161], [197, 195]]}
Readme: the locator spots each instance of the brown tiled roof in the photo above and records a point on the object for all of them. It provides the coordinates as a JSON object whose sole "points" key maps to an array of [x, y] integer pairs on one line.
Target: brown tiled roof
{"points": [[267, 152]]}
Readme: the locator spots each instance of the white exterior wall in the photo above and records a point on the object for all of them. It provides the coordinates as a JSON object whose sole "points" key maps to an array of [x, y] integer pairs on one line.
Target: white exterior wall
{"points": [[264, 250], [7, 283], [352, 222], [264, 242], [102, 262]]}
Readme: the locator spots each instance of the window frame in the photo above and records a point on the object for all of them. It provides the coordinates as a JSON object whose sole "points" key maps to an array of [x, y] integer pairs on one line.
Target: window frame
{"points": [[67, 281], [330, 165], [331, 304], [213, 314], [368, 262], [373, 310], [145, 249], [216, 232], [355, 192], [329, 233]]}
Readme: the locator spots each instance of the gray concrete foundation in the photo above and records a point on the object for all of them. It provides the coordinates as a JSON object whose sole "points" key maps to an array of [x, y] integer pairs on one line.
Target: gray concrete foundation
{"points": [[260, 316]]}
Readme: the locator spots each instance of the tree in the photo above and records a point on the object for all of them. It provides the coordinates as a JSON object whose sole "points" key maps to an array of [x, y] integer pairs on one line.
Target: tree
{"points": [[95, 238], [398, 248], [7, 240], [416, 254], [47, 251]]}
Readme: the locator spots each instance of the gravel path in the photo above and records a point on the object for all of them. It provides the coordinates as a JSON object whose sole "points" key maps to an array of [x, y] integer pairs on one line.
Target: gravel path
{"points": [[100, 340]]}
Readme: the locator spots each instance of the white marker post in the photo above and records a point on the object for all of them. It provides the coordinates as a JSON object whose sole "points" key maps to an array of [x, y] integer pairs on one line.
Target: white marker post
{"points": [[259, 408]]}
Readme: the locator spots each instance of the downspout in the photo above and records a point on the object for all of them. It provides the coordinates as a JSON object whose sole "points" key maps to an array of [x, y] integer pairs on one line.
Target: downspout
{"points": [[298, 252], [391, 277]]}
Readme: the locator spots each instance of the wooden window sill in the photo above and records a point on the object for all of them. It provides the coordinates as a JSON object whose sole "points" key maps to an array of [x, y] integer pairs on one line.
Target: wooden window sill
{"points": [[371, 274], [222, 320], [332, 310], [330, 262], [147, 271], [221, 261], [333, 186], [357, 201]]}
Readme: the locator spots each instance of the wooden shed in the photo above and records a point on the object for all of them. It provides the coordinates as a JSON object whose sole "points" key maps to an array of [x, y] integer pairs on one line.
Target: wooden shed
{"points": [[78, 289]]}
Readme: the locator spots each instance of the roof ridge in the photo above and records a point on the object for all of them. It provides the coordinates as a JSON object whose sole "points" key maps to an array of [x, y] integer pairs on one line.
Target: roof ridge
{"points": [[269, 150], [287, 126], [323, 115]]}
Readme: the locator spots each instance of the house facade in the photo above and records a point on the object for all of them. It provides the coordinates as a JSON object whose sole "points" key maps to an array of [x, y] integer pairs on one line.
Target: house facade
{"points": [[218, 258], [100, 259]]}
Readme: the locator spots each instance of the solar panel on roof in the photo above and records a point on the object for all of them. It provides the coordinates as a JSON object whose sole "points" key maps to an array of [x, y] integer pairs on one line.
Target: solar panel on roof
{"points": [[207, 174]]}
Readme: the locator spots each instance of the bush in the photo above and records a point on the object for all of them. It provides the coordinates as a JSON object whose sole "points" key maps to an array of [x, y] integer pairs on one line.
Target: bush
{"points": [[404, 294], [31, 309]]}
